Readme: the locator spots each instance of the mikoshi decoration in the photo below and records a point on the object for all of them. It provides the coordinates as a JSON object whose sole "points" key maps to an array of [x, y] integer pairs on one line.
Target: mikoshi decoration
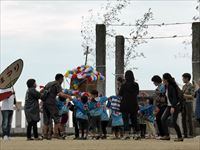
{"points": [[82, 74], [76, 92], [11, 74]]}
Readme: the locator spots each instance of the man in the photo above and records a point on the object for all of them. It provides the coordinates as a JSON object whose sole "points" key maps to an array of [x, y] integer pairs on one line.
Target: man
{"points": [[188, 90], [50, 110], [7, 113]]}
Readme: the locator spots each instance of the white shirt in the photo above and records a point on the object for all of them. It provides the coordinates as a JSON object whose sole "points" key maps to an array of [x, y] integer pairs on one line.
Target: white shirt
{"points": [[7, 104], [168, 102]]}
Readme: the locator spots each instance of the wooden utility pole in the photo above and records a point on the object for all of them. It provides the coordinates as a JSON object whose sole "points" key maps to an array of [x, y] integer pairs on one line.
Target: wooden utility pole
{"points": [[119, 59], [101, 56], [86, 55], [196, 50]]}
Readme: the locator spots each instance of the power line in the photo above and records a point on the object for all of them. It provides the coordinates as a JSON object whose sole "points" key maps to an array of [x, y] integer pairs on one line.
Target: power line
{"points": [[153, 24], [152, 37]]}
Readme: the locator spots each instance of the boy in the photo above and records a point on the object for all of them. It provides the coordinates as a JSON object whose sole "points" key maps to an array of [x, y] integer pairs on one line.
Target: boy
{"points": [[104, 121], [95, 107], [82, 115], [148, 112], [189, 92], [63, 112]]}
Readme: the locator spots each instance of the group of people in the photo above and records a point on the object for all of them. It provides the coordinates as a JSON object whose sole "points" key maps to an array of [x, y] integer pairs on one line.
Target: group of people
{"points": [[128, 112]]}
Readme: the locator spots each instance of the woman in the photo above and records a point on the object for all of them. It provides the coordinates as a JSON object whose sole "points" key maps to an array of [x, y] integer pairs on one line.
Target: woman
{"points": [[197, 95], [129, 104], [172, 109], [31, 109], [160, 101]]}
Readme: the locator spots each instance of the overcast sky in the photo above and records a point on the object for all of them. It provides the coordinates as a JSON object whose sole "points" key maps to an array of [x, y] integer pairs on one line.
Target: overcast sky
{"points": [[46, 35]]}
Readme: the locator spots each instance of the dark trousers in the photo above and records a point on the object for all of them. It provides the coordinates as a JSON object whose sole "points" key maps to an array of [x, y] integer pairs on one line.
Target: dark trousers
{"points": [[159, 122], [96, 124], [187, 119], [6, 122], [142, 130], [134, 122], [164, 120], [32, 125], [104, 125], [75, 124]]}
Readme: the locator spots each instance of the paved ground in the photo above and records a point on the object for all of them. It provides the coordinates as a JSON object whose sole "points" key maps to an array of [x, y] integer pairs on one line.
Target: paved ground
{"points": [[19, 143]]}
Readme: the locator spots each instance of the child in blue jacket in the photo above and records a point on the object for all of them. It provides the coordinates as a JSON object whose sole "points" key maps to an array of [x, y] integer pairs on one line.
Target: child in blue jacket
{"points": [[96, 109], [82, 115], [147, 111], [61, 104], [116, 115]]}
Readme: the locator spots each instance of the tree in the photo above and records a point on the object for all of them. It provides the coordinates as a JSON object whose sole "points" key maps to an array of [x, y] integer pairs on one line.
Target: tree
{"points": [[188, 43], [110, 14]]}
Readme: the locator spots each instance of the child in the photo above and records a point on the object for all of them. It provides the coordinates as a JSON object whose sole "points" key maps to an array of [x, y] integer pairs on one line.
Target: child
{"points": [[116, 115], [63, 112], [95, 107], [82, 115], [148, 113], [32, 110], [72, 108], [104, 121], [142, 124]]}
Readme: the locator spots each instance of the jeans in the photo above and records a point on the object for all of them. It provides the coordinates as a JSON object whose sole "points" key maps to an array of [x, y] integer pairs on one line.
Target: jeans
{"points": [[164, 120], [158, 120], [6, 122], [32, 124], [187, 119]]}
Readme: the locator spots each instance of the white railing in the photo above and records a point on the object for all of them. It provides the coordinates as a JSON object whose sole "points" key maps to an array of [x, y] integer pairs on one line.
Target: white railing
{"points": [[19, 123]]}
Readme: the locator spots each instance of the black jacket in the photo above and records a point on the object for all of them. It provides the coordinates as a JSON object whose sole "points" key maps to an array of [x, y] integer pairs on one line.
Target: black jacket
{"points": [[172, 95], [129, 93]]}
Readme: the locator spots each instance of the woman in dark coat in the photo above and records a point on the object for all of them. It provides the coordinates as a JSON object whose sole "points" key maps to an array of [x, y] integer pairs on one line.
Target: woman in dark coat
{"points": [[197, 109], [129, 104], [31, 108], [173, 107]]}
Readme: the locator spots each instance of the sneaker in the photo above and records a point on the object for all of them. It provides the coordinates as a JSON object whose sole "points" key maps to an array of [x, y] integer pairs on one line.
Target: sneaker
{"points": [[158, 137], [165, 138], [137, 138], [38, 139], [98, 137], [5, 138], [30, 139], [126, 138], [178, 140]]}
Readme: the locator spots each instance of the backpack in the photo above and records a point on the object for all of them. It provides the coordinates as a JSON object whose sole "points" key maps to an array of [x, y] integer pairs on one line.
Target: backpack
{"points": [[181, 98], [45, 92]]}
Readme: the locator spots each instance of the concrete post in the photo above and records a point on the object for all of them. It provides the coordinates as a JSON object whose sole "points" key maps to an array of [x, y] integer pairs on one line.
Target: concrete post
{"points": [[101, 56], [196, 50], [18, 116], [119, 59]]}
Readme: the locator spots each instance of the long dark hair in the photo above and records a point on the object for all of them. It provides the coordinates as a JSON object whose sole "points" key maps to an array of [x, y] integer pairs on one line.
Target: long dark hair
{"points": [[129, 76], [170, 79]]}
